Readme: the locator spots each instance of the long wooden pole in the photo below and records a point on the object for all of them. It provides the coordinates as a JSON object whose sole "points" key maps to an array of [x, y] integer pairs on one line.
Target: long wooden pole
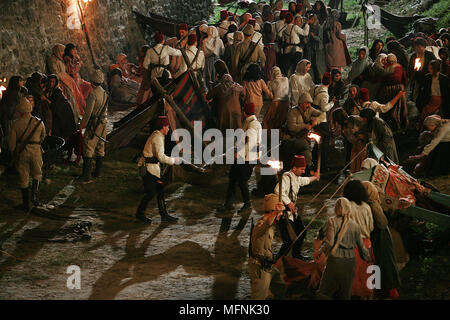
{"points": [[83, 25]]}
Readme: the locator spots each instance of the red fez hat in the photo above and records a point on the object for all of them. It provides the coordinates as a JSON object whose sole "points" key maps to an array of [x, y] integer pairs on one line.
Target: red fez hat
{"points": [[159, 36], [298, 7], [289, 17], [183, 26], [283, 13], [249, 108], [364, 94], [162, 121], [192, 38], [326, 78], [230, 14], [299, 161], [252, 21], [223, 14]]}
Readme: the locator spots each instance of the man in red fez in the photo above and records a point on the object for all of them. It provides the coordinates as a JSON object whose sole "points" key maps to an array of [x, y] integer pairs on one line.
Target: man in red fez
{"points": [[152, 155], [241, 173], [291, 221]]}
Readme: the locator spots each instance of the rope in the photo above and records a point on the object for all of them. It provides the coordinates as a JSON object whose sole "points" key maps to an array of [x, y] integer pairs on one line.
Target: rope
{"points": [[320, 210]]}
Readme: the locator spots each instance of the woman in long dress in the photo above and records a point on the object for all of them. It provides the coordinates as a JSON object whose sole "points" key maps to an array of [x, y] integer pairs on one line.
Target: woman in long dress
{"points": [[254, 86], [337, 55], [277, 112], [213, 49]]}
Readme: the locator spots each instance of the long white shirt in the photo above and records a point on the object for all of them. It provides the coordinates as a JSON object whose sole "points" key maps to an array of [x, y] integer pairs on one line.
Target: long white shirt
{"points": [[321, 98], [292, 35], [377, 107], [443, 135], [279, 88], [199, 62], [290, 185], [214, 46], [161, 56], [300, 84], [252, 128], [154, 147]]}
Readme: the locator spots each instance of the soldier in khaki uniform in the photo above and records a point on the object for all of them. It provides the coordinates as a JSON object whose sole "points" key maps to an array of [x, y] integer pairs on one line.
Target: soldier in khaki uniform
{"points": [[247, 52], [152, 155], [300, 120], [31, 131], [94, 120], [261, 259]]}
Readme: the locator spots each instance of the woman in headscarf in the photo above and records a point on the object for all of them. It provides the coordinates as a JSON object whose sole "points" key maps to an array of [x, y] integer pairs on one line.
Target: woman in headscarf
{"points": [[363, 61], [73, 63], [269, 50], [278, 109], [301, 81], [383, 249], [435, 155], [337, 55], [213, 49], [10, 99], [36, 86], [396, 48], [361, 213], [342, 240], [63, 122], [226, 100], [355, 139], [381, 134], [321, 10], [254, 86], [393, 83], [376, 49], [374, 75], [352, 105], [67, 83]]}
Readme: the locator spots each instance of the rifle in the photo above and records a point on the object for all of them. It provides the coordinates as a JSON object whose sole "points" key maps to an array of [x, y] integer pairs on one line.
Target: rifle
{"points": [[23, 144], [250, 254], [93, 128], [248, 55]]}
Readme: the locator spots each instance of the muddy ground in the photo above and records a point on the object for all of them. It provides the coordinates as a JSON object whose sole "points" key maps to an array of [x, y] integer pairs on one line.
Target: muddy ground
{"points": [[203, 256]]}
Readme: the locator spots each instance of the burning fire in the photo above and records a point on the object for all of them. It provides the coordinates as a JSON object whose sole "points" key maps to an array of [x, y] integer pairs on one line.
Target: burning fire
{"points": [[314, 136], [277, 165], [86, 1], [417, 64], [2, 88]]}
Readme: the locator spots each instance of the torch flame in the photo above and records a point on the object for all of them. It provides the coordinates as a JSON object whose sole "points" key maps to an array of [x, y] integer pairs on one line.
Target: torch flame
{"points": [[2, 88], [417, 64], [277, 165], [314, 136]]}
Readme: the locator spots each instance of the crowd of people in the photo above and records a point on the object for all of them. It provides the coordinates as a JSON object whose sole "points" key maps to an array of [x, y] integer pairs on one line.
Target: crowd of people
{"points": [[295, 58]]}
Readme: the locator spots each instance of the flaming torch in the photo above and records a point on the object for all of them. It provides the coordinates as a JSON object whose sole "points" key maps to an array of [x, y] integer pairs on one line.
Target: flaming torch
{"points": [[2, 87], [316, 138], [277, 165], [83, 24], [417, 64]]}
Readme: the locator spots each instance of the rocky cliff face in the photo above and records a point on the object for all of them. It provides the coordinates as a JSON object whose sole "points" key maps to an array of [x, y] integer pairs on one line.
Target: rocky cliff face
{"points": [[29, 29]]}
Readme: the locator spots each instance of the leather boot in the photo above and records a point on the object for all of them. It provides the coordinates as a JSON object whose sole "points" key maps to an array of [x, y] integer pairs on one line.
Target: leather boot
{"points": [[165, 217], [87, 168], [140, 213], [245, 197], [34, 192], [228, 205], [98, 167], [26, 199]]}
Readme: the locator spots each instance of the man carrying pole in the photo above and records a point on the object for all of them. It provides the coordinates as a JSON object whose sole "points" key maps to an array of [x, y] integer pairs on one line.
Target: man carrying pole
{"points": [[291, 224]]}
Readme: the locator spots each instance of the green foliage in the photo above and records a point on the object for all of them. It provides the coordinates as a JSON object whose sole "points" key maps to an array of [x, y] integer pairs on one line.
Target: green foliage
{"points": [[440, 10]]}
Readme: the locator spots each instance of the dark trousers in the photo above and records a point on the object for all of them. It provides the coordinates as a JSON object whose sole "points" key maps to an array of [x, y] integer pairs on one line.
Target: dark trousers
{"points": [[151, 188], [294, 59], [298, 226], [239, 175], [324, 130]]}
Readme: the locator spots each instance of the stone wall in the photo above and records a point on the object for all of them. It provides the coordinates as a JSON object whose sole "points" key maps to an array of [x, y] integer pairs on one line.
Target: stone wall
{"points": [[29, 29]]}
